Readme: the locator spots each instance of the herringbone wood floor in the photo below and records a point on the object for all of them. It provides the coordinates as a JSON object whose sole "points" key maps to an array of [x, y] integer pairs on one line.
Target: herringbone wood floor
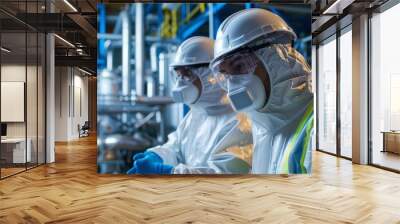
{"points": [[70, 191]]}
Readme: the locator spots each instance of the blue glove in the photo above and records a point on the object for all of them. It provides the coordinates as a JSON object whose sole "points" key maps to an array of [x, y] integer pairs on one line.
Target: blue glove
{"points": [[149, 163], [149, 156], [147, 167]]}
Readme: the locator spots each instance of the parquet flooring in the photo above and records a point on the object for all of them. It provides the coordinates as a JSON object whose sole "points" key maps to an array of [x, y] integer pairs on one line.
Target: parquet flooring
{"points": [[70, 191], [10, 171]]}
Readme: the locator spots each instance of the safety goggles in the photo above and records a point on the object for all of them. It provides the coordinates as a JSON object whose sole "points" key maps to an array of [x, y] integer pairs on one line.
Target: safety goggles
{"points": [[236, 66], [186, 73]]}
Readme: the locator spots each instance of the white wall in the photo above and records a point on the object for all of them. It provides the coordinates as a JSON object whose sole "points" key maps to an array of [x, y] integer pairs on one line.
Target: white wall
{"points": [[61, 103], [80, 84], [33, 127], [13, 73], [70, 83]]}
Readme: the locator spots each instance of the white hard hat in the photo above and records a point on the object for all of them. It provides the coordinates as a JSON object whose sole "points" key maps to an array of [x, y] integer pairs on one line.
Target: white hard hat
{"points": [[245, 26], [194, 51]]}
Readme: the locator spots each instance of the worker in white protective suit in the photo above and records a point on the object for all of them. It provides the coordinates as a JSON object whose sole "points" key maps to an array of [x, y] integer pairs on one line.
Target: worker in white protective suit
{"points": [[269, 80], [203, 141]]}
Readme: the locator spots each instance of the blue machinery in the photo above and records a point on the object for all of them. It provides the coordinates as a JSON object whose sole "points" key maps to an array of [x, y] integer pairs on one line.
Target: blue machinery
{"points": [[196, 23], [135, 111]]}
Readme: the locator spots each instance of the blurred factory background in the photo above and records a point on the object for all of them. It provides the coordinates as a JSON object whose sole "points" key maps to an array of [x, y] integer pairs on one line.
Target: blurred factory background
{"points": [[136, 43]]}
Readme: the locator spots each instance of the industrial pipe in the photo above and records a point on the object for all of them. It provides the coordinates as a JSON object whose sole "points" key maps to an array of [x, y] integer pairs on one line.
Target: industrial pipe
{"points": [[117, 37], [139, 49], [110, 55], [126, 53], [163, 74], [156, 49], [154, 56]]}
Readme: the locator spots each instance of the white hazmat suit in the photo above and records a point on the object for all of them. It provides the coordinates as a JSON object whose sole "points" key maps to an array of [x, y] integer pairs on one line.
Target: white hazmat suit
{"points": [[282, 128], [278, 101], [202, 142]]}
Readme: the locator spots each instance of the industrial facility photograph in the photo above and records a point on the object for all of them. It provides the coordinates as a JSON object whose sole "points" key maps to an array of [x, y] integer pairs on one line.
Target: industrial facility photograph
{"points": [[277, 111], [207, 86]]}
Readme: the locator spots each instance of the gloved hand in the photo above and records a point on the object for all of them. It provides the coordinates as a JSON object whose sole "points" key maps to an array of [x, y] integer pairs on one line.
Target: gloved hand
{"points": [[149, 163], [149, 156]]}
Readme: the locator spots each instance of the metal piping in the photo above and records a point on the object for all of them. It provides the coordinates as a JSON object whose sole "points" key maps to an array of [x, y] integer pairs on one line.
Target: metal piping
{"points": [[163, 74], [155, 50], [126, 53], [158, 57], [110, 58], [139, 49], [117, 28], [110, 55], [154, 57], [117, 37]]}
